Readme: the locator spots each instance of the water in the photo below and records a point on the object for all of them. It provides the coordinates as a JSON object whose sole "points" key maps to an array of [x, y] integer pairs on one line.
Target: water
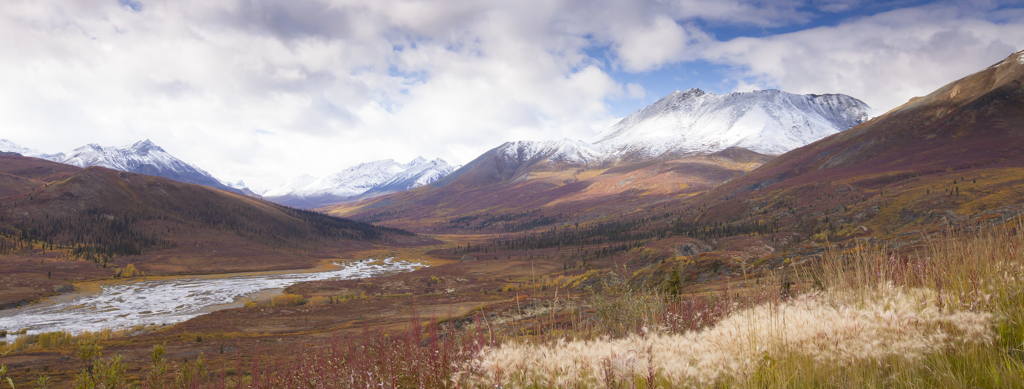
{"points": [[126, 305]]}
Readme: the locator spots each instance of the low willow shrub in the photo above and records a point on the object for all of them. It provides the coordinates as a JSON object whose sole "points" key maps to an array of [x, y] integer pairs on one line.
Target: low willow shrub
{"points": [[950, 315]]}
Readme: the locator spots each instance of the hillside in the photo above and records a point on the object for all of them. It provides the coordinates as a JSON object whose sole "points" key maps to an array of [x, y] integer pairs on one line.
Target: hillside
{"points": [[675, 148], [957, 151], [143, 157], [365, 180], [82, 223], [497, 185], [696, 122]]}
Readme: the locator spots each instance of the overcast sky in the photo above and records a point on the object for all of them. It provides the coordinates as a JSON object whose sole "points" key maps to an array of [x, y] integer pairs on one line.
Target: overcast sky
{"points": [[265, 90]]}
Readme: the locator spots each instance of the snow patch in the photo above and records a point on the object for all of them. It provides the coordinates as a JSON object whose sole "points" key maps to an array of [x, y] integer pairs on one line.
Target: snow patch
{"points": [[697, 122], [11, 147], [383, 175]]}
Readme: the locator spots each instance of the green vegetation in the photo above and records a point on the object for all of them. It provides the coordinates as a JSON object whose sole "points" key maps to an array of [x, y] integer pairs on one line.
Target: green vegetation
{"points": [[949, 315], [99, 234]]}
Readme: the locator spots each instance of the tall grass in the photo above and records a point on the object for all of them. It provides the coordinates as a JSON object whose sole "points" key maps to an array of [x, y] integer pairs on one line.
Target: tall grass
{"points": [[418, 357], [58, 339], [281, 300], [947, 315]]}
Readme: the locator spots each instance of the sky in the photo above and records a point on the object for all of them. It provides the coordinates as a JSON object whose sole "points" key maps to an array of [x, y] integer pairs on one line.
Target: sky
{"points": [[266, 90]]}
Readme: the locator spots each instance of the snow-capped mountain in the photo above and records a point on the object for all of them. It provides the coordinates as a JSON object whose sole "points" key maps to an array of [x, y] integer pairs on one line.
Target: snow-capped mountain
{"points": [[143, 157], [11, 147], [360, 181], [557, 151], [513, 160], [290, 187], [422, 173], [697, 122], [683, 123], [237, 185], [241, 187]]}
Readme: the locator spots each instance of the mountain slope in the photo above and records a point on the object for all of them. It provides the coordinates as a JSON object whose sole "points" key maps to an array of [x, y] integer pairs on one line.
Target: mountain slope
{"points": [[83, 224], [416, 176], [360, 181], [143, 157], [682, 145], [514, 160], [958, 150], [681, 124], [696, 122], [11, 147], [121, 213]]}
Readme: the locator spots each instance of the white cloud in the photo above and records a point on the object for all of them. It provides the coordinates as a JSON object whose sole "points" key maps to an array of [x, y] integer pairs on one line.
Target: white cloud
{"points": [[743, 86], [635, 91], [883, 59], [266, 90], [662, 41]]}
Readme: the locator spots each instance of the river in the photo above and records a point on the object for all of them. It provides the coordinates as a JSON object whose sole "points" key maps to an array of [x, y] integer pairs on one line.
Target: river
{"points": [[165, 301]]}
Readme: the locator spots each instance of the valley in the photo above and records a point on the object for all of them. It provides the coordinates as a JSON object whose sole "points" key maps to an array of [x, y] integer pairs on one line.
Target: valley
{"points": [[855, 243]]}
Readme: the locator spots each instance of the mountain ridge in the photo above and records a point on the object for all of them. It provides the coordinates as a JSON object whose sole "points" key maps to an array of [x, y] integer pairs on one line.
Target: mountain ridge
{"points": [[956, 151], [143, 157], [364, 180], [696, 122]]}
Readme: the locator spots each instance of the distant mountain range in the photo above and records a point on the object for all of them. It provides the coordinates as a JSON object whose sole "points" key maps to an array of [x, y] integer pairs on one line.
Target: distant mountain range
{"points": [[696, 122], [361, 181], [100, 219], [143, 157], [685, 143], [682, 124], [956, 151]]}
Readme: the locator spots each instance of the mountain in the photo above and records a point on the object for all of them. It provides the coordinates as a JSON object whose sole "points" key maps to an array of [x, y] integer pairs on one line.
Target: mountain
{"points": [[363, 180], [143, 157], [423, 173], [768, 122], [11, 147], [514, 160], [99, 218], [694, 122], [681, 145], [240, 187], [957, 151]]}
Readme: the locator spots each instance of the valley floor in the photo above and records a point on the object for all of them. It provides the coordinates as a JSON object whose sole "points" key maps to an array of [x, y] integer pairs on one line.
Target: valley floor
{"points": [[948, 312]]}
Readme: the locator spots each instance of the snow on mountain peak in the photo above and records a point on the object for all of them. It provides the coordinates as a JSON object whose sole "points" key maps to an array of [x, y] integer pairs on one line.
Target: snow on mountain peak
{"points": [[143, 147], [382, 176], [11, 147], [565, 150], [697, 122], [143, 157]]}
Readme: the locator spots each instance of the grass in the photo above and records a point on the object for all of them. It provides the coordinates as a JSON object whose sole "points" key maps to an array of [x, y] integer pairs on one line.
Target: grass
{"points": [[61, 339], [281, 300], [949, 315]]}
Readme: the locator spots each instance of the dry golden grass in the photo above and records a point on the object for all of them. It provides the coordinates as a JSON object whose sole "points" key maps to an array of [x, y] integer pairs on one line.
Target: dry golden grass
{"points": [[951, 315]]}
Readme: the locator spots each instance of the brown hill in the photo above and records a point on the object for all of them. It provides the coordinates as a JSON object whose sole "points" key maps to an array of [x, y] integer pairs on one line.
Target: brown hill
{"points": [[84, 224], [956, 151], [35, 168], [496, 184]]}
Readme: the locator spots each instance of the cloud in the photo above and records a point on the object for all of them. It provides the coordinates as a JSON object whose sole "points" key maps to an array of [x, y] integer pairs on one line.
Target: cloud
{"points": [[635, 91], [270, 89], [883, 59], [327, 83], [662, 41]]}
